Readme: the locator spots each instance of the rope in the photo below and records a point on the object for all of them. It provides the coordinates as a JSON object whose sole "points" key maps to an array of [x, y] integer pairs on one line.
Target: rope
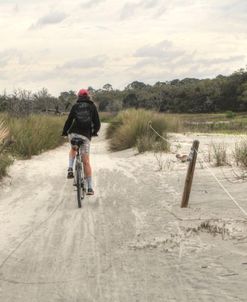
{"points": [[164, 139], [150, 125], [211, 172], [222, 186]]}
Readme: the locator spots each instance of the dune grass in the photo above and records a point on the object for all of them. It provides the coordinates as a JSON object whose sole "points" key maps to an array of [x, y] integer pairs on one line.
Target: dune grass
{"points": [[35, 134], [200, 123], [219, 154], [27, 136], [5, 162], [240, 154], [3, 130], [5, 159], [130, 128]]}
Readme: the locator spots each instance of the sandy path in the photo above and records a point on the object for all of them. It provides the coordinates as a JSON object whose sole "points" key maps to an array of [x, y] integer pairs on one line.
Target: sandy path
{"points": [[129, 242]]}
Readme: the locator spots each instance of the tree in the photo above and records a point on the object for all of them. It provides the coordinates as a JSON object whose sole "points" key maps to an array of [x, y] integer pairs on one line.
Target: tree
{"points": [[107, 87], [43, 98], [20, 103], [243, 97], [130, 100], [3, 102], [135, 85], [67, 99]]}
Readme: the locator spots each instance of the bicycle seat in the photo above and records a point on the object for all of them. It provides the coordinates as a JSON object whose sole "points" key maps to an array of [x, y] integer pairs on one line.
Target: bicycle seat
{"points": [[77, 141]]}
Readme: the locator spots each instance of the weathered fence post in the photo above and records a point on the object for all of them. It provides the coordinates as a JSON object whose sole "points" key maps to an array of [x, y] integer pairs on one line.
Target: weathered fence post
{"points": [[190, 174]]}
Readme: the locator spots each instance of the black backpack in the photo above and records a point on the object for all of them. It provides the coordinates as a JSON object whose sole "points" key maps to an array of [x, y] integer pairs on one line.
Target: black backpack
{"points": [[83, 115]]}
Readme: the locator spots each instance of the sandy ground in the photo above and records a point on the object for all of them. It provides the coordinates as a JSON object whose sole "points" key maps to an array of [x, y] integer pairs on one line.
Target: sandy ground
{"points": [[129, 242]]}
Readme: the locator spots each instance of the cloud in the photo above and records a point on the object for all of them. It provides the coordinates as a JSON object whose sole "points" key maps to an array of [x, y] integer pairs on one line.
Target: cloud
{"points": [[205, 37], [149, 3], [156, 7], [6, 56], [192, 59], [16, 8], [216, 61], [129, 9], [51, 18], [72, 71], [165, 59], [13, 55], [163, 50], [92, 62], [91, 3]]}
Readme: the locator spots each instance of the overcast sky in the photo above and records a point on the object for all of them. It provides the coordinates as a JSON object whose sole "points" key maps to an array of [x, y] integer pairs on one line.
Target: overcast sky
{"points": [[62, 44]]}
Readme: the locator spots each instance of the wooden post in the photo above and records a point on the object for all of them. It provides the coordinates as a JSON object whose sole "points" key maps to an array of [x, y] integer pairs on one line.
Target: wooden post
{"points": [[190, 174]]}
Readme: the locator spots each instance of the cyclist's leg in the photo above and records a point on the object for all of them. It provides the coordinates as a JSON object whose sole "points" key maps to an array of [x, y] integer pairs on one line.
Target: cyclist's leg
{"points": [[87, 165], [88, 173], [72, 155]]}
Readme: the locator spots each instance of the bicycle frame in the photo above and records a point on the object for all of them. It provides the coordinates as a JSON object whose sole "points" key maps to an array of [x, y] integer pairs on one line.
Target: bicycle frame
{"points": [[79, 176]]}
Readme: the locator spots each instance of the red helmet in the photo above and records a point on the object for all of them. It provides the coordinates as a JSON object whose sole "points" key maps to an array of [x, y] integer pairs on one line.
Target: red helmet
{"points": [[83, 92]]}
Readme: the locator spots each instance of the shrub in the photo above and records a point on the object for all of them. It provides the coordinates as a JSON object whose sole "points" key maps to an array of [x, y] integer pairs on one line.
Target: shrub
{"points": [[130, 128], [240, 153]]}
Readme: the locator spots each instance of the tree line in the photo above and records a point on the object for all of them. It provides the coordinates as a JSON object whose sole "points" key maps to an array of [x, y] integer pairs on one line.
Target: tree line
{"points": [[189, 95]]}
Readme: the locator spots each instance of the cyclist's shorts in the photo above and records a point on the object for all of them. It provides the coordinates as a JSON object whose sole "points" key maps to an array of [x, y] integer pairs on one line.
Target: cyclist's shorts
{"points": [[86, 146]]}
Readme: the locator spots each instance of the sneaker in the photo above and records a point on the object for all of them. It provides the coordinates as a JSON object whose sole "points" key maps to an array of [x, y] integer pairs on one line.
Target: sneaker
{"points": [[90, 191], [70, 173]]}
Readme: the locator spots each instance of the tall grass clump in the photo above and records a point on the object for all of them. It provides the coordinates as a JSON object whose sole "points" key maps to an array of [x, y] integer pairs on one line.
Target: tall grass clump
{"points": [[5, 159], [240, 154], [3, 131], [218, 153], [5, 162], [130, 128], [35, 134]]}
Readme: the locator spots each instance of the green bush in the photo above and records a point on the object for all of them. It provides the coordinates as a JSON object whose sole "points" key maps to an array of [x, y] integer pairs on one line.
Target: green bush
{"points": [[130, 128]]}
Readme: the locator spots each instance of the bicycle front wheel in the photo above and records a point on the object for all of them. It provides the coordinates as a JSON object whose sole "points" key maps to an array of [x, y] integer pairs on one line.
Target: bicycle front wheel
{"points": [[78, 186]]}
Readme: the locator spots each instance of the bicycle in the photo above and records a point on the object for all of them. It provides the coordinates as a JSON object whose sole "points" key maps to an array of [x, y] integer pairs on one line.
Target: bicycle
{"points": [[79, 171]]}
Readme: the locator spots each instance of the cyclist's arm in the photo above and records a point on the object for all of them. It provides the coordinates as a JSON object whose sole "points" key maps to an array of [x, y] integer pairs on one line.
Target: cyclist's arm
{"points": [[96, 120], [68, 122]]}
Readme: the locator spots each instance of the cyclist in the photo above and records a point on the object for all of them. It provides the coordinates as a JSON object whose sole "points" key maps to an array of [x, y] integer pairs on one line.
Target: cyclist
{"points": [[83, 121]]}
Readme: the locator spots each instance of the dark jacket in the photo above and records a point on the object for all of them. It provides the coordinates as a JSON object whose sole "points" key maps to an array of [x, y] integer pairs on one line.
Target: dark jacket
{"points": [[83, 118]]}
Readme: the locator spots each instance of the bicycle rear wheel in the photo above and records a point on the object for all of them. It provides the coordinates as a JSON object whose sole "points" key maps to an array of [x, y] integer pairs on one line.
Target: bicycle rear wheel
{"points": [[78, 185], [83, 188]]}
